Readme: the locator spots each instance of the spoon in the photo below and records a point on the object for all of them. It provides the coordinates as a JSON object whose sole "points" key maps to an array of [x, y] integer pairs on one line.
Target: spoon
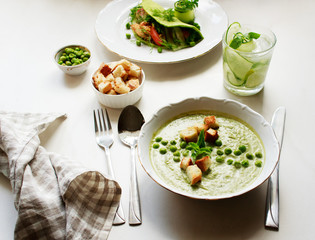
{"points": [[129, 125]]}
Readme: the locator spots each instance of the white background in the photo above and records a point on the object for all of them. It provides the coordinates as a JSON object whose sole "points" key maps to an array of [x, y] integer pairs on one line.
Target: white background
{"points": [[31, 31]]}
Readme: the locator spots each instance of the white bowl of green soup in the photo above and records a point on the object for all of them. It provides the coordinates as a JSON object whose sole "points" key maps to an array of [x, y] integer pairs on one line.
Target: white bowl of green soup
{"points": [[207, 148]]}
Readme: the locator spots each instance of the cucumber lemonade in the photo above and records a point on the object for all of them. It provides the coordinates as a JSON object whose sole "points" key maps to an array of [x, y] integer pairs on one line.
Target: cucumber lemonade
{"points": [[247, 52]]}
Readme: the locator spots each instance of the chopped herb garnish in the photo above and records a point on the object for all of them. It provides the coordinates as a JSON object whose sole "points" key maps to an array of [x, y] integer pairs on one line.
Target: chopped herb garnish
{"points": [[240, 38], [199, 149], [186, 4]]}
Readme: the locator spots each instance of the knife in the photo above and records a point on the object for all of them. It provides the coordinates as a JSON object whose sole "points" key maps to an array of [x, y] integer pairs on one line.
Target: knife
{"points": [[272, 201]]}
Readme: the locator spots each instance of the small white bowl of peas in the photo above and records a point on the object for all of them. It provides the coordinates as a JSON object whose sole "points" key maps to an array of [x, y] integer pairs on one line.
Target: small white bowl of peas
{"points": [[73, 59]]}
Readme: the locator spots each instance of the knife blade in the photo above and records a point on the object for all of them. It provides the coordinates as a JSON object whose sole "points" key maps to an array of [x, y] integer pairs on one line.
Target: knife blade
{"points": [[272, 201]]}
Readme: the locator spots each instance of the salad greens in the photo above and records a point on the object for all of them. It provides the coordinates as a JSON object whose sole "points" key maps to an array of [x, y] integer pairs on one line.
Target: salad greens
{"points": [[158, 27]]}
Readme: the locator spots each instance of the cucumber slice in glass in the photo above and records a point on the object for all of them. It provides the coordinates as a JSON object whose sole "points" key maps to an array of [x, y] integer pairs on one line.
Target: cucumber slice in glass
{"points": [[238, 65], [230, 77], [257, 76]]}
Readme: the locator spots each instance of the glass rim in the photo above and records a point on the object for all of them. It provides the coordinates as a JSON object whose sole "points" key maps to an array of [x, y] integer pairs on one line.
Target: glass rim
{"points": [[274, 41]]}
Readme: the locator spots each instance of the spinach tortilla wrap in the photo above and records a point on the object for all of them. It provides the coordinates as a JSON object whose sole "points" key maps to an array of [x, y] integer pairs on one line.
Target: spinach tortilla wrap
{"points": [[158, 27]]}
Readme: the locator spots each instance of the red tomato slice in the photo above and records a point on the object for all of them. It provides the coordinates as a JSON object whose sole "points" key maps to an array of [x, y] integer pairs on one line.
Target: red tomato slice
{"points": [[155, 36]]}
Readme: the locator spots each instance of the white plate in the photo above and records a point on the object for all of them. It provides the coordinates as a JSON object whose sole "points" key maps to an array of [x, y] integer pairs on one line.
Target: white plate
{"points": [[231, 107], [111, 31]]}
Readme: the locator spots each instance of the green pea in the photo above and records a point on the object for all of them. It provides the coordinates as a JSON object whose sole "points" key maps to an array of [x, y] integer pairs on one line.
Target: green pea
{"points": [[78, 53], [72, 55], [176, 159], [164, 142], [192, 44], [173, 148], [69, 50], [229, 161], [258, 154], [219, 159], [237, 164], [245, 163], [228, 151], [63, 58], [138, 43], [219, 152], [158, 139], [87, 54], [177, 153], [173, 142], [77, 49], [156, 145], [218, 142], [64, 54], [185, 153], [249, 156], [242, 148], [159, 50], [258, 163], [128, 25], [85, 59], [183, 144], [163, 150], [60, 62], [68, 63], [128, 35], [237, 152]]}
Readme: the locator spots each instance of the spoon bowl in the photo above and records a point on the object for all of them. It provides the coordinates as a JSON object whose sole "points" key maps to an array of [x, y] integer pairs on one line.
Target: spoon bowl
{"points": [[129, 124]]}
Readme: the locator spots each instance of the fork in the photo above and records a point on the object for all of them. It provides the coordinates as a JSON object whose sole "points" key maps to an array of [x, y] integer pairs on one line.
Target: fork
{"points": [[104, 138]]}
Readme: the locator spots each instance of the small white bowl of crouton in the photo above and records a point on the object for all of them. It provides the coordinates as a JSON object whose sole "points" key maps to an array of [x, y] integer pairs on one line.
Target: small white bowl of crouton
{"points": [[118, 84]]}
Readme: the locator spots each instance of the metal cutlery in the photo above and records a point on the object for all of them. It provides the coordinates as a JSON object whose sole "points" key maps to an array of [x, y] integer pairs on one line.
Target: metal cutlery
{"points": [[272, 201], [104, 138], [129, 125]]}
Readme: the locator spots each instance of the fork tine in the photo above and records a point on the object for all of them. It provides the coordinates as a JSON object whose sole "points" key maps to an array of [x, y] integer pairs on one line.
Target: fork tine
{"points": [[95, 121], [104, 124], [100, 120], [108, 120]]}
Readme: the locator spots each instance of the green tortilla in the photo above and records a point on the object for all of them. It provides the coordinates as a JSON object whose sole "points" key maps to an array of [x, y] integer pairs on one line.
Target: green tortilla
{"points": [[151, 7]]}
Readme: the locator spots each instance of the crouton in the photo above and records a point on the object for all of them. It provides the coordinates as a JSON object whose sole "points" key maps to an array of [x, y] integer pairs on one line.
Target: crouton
{"points": [[98, 78], [211, 122], [105, 87], [126, 64], [133, 83], [186, 161], [200, 127], [120, 87], [110, 77], [105, 70], [211, 135], [204, 163], [194, 174], [189, 134], [112, 92], [135, 71], [119, 71]]}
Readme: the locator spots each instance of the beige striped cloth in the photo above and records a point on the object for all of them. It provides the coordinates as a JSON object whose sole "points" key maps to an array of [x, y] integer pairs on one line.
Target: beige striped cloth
{"points": [[55, 198]]}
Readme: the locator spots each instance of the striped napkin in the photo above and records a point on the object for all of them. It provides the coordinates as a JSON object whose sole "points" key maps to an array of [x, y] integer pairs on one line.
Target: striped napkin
{"points": [[55, 198]]}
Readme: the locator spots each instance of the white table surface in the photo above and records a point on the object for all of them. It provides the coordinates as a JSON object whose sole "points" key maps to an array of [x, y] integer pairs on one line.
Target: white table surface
{"points": [[31, 31]]}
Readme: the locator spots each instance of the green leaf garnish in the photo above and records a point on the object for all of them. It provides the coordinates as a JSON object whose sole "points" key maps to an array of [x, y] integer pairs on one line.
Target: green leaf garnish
{"points": [[167, 14], [199, 149], [240, 38], [186, 4]]}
